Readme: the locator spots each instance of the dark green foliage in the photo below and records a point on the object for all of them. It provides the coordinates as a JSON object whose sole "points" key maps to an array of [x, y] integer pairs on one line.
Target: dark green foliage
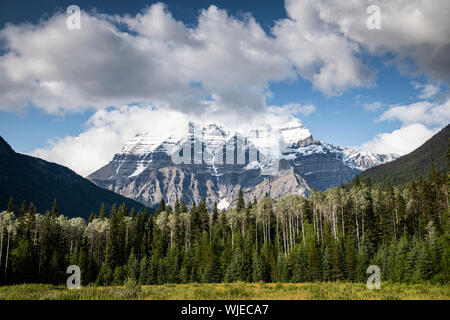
{"points": [[413, 165], [333, 236], [32, 179]]}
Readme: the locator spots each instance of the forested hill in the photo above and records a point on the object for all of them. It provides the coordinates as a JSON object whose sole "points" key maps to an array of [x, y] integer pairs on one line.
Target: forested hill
{"points": [[38, 181], [413, 165]]}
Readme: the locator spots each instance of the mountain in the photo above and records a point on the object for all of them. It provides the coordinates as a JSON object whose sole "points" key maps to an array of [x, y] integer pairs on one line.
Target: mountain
{"points": [[218, 162], [38, 181], [415, 164]]}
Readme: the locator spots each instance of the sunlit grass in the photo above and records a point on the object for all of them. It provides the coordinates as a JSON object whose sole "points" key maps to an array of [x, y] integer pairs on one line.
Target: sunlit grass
{"points": [[233, 291]]}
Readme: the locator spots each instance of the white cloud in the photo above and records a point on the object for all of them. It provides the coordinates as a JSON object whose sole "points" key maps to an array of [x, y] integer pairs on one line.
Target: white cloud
{"points": [[420, 112], [419, 121], [116, 60], [415, 30], [107, 131], [157, 61], [294, 108], [318, 50], [426, 90], [152, 57], [400, 141], [374, 106]]}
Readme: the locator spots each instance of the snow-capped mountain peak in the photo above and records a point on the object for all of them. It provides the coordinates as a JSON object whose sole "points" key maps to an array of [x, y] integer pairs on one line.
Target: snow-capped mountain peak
{"points": [[294, 132], [267, 159], [363, 160]]}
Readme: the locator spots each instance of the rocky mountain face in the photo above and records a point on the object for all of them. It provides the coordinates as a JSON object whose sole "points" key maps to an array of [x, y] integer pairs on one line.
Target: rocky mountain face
{"points": [[213, 162]]}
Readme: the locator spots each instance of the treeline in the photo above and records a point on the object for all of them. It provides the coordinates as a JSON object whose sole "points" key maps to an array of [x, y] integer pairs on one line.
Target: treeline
{"points": [[332, 235]]}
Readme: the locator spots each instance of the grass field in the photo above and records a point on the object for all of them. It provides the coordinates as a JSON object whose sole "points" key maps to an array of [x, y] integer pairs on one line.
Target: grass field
{"points": [[233, 291]]}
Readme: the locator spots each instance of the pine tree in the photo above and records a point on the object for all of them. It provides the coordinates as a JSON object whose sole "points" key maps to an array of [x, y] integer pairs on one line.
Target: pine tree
{"points": [[282, 270], [91, 217], [336, 268], [215, 214], [102, 212], [23, 209], [362, 262], [350, 259], [258, 268], [235, 270], [356, 181], [132, 270], [162, 205], [55, 269], [240, 202], [314, 263], [54, 211], [10, 205], [143, 271], [119, 276], [326, 265], [300, 264]]}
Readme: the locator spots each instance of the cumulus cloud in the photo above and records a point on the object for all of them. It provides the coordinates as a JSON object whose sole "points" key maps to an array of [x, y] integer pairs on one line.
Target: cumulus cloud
{"points": [[151, 57], [107, 131], [426, 90], [419, 121], [400, 141], [115, 60], [374, 106], [318, 49], [411, 30], [420, 112]]}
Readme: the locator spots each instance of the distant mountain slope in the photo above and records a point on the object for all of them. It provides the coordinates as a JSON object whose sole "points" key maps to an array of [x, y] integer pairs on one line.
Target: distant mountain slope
{"points": [[39, 181], [414, 164]]}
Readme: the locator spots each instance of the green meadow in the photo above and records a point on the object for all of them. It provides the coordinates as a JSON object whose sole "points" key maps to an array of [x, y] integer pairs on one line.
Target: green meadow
{"points": [[233, 291]]}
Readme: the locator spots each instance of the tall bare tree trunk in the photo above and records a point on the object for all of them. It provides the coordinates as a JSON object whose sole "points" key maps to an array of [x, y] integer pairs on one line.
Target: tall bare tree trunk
{"points": [[303, 229], [7, 252], [256, 234], [357, 229], [1, 246]]}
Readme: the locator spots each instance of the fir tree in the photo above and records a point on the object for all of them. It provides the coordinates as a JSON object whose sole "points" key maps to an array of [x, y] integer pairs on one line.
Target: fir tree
{"points": [[314, 263], [54, 211], [10, 205], [102, 212], [350, 259]]}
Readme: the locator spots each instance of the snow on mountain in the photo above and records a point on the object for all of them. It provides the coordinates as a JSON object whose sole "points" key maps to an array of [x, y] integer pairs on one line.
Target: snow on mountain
{"points": [[141, 144], [266, 159], [288, 142], [294, 132], [350, 156], [363, 160]]}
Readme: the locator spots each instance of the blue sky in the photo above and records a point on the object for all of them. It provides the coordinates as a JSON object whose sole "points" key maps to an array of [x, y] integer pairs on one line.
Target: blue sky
{"points": [[385, 72]]}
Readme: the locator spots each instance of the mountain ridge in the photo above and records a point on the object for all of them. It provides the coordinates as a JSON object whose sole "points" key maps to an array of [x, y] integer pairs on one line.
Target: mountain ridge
{"points": [[414, 164], [31, 179]]}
